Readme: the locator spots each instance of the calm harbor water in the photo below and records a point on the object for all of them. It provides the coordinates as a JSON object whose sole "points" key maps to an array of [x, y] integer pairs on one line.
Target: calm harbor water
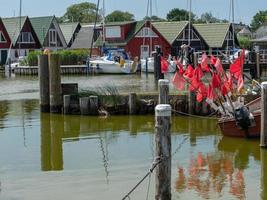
{"points": [[45, 156]]}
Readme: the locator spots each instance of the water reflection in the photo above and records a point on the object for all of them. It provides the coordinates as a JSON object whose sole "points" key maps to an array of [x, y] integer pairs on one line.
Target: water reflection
{"points": [[263, 155], [4, 108], [51, 142]]}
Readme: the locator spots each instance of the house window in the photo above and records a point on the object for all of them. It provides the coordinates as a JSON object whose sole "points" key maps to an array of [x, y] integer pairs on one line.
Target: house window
{"points": [[113, 32], [146, 32], [26, 37], [52, 36], [2, 37]]}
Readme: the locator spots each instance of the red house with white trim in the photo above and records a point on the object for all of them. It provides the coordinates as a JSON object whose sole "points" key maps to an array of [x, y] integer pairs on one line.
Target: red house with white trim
{"points": [[146, 39], [22, 35], [4, 43]]}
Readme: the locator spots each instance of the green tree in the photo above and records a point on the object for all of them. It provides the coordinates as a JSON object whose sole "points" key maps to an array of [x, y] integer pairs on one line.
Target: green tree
{"points": [[154, 18], [244, 42], [208, 18], [118, 16], [177, 14], [259, 19], [82, 12]]}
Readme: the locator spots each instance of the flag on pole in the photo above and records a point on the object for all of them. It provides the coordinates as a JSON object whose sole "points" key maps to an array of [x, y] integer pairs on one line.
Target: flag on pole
{"points": [[164, 65]]}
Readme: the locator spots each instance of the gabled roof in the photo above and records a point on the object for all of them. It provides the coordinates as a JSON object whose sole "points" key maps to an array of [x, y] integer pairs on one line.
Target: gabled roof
{"points": [[68, 29], [84, 38], [118, 23], [170, 30], [262, 39], [213, 33], [41, 26], [13, 27], [244, 30]]}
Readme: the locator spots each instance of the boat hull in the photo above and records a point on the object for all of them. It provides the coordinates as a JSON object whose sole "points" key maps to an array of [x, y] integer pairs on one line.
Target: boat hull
{"points": [[110, 67], [229, 128], [150, 66]]}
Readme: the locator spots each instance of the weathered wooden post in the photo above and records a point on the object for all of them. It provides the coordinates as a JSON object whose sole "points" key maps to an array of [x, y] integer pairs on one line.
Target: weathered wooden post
{"points": [[55, 84], [258, 65], [84, 105], [146, 66], [163, 91], [263, 142], [132, 103], [195, 59], [163, 151], [44, 83], [157, 65], [263, 173], [57, 129], [66, 104], [94, 105], [45, 142]]}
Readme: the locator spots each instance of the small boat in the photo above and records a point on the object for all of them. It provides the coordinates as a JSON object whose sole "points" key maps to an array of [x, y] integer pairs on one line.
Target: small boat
{"points": [[114, 63], [229, 125]]}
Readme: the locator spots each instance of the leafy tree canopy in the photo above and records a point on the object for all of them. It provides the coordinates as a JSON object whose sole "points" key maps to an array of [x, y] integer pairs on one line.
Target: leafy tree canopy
{"points": [[177, 14], [153, 18], [82, 12], [259, 19], [118, 16], [208, 18]]}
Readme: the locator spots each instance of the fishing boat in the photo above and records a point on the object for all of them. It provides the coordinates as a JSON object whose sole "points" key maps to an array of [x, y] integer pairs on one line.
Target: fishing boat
{"points": [[230, 126]]}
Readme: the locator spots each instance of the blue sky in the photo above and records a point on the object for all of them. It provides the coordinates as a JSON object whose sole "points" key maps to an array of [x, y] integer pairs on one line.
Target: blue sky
{"points": [[244, 9]]}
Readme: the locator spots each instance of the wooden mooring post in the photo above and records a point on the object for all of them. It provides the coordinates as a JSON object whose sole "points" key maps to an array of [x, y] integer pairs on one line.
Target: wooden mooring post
{"points": [[163, 151], [163, 91], [84, 105], [44, 83], [66, 104], [258, 65], [132, 103], [55, 84], [157, 65], [263, 156], [94, 105], [263, 140]]}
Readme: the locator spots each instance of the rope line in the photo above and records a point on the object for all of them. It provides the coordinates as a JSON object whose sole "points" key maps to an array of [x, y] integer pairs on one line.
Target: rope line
{"points": [[156, 162], [197, 116]]}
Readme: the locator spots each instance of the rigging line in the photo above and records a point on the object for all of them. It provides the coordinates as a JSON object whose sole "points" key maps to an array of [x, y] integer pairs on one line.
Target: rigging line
{"points": [[148, 187], [196, 116], [156, 8], [156, 162]]}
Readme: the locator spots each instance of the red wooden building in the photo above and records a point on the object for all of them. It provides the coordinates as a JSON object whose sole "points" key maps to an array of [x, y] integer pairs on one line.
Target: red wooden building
{"points": [[22, 35], [4, 43]]}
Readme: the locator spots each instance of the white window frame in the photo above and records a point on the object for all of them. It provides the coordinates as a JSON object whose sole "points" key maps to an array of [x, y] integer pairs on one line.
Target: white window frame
{"points": [[27, 35], [194, 36], [112, 32], [2, 34], [52, 36], [146, 32], [141, 51]]}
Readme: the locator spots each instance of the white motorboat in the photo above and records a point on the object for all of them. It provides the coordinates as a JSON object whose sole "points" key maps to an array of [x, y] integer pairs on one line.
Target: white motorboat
{"points": [[104, 66]]}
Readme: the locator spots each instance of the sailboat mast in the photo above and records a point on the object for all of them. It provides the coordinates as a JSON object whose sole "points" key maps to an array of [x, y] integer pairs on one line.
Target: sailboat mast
{"points": [[103, 31], [189, 22], [20, 7], [233, 22], [150, 39]]}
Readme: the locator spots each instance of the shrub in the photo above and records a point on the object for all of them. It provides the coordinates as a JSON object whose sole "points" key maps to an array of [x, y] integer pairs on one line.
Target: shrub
{"points": [[67, 57]]}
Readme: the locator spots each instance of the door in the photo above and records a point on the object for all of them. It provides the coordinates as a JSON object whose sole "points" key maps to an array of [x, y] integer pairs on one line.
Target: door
{"points": [[144, 51], [3, 57]]}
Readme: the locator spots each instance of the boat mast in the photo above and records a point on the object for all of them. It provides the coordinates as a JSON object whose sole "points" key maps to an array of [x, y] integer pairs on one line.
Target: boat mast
{"points": [[233, 22], [150, 32], [103, 21], [20, 38], [189, 23], [96, 17]]}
